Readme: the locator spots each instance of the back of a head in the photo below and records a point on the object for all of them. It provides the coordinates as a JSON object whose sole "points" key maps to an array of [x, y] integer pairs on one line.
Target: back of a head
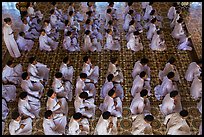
{"points": [[172, 60], [47, 114], [110, 22], [69, 33], [65, 60], [152, 12], [85, 58], [136, 32], [130, 3], [183, 113], [24, 75], [87, 32], [6, 20], [170, 75], [109, 10], [153, 20], [71, 13], [199, 61], [131, 22], [159, 32], [77, 116], [23, 95], [9, 63], [174, 4], [111, 92], [142, 74], [106, 115], [173, 93], [130, 12], [143, 93], [50, 92], [149, 118], [144, 61], [113, 60], [21, 33], [88, 21], [83, 75], [108, 31], [15, 115], [52, 11], [110, 77], [180, 20], [32, 59], [58, 75], [66, 22], [83, 95]]}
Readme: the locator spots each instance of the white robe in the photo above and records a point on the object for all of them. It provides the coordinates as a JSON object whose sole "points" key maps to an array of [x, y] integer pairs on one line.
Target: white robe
{"points": [[92, 73], [67, 71], [70, 44], [128, 18], [56, 23], [178, 32], [196, 88], [137, 86], [138, 68], [25, 109], [157, 43], [174, 21], [24, 44], [10, 41], [14, 127], [9, 92], [52, 104], [51, 32], [137, 105], [5, 110], [47, 43], [139, 126], [118, 75], [176, 125], [105, 88], [29, 32], [184, 44], [171, 13], [134, 43], [152, 29], [200, 129], [108, 17], [31, 11], [193, 71], [199, 106], [111, 44], [148, 9], [73, 127]]}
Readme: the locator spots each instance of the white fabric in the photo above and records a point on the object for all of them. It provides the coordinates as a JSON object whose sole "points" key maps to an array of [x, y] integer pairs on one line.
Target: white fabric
{"points": [[171, 13], [105, 88], [67, 71], [178, 31], [9, 92], [47, 43], [138, 68], [157, 43], [24, 44], [137, 86], [193, 71], [134, 43], [196, 88], [128, 18], [53, 105], [118, 75], [152, 29], [112, 44], [167, 105], [148, 9]]}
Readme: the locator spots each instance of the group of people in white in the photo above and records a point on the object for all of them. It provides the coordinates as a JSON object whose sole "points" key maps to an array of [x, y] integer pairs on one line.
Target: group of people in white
{"points": [[62, 91]]}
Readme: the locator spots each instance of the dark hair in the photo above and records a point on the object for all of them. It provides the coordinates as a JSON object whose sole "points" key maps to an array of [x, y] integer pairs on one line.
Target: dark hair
{"points": [[106, 115], [7, 20], [58, 75], [50, 92], [83, 75], [77, 115], [183, 113], [130, 3], [9, 63], [148, 118], [111, 3], [53, 3], [180, 20], [42, 30], [142, 74], [152, 12], [153, 20], [65, 59], [68, 33], [131, 22], [89, 13], [110, 77], [46, 21], [136, 32], [47, 114], [144, 61], [109, 10], [66, 22], [21, 33], [52, 11], [170, 75], [150, 3], [88, 21], [15, 115], [23, 95], [108, 31], [199, 61], [32, 59], [113, 59], [172, 60], [71, 13], [87, 32], [110, 22], [85, 58], [83, 95], [111, 92], [174, 4], [143, 93], [24, 75], [159, 32], [130, 12], [173, 93]]}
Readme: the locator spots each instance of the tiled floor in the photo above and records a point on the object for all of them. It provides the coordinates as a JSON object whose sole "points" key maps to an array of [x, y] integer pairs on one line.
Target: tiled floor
{"points": [[126, 59]]}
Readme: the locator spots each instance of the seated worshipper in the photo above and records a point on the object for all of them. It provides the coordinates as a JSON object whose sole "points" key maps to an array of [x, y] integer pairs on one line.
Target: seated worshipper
{"points": [[176, 123], [112, 103], [38, 71], [28, 106], [176, 17], [157, 42], [107, 125], [200, 129], [58, 12], [199, 106], [184, 43], [78, 125], [55, 22], [128, 7], [131, 29], [141, 124], [148, 10], [30, 10], [67, 27], [171, 103], [178, 31], [111, 44], [84, 84], [152, 29], [56, 105], [108, 16], [62, 88], [170, 67], [51, 32], [74, 23], [139, 83], [24, 44], [141, 65], [140, 104], [84, 103], [20, 126], [194, 70], [5, 112], [128, 18], [166, 86], [196, 88], [134, 43], [9, 92], [46, 43], [67, 70], [172, 11], [11, 74], [116, 70], [54, 125], [70, 43], [33, 88], [91, 70]]}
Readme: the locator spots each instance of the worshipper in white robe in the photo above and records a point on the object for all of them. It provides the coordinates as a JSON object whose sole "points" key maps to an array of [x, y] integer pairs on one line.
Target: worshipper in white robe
{"points": [[54, 124], [172, 11], [67, 27], [30, 32], [170, 67], [199, 106], [30, 10], [166, 86], [152, 29], [196, 88], [148, 9], [107, 125], [108, 16], [184, 43], [141, 65], [19, 126], [176, 123], [140, 82], [108, 85], [128, 18], [73, 21], [9, 92], [26, 108], [127, 8], [5, 112], [176, 18], [56, 105], [200, 129], [78, 125], [134, 43], [39, 14], [58, 12], [194, 70], [178, 31], [91, 70], [55, 23], [84, 103], [140, 104], [70, 43], [111, 44], [51, 32], [9, 39], [24, 44], [141, 124], [131, 29], [62, 88], [33, 88], [171, 103], [38, 71], [11, 74], [46, 43], [144, 5], [157, 42], [112, 103]]}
